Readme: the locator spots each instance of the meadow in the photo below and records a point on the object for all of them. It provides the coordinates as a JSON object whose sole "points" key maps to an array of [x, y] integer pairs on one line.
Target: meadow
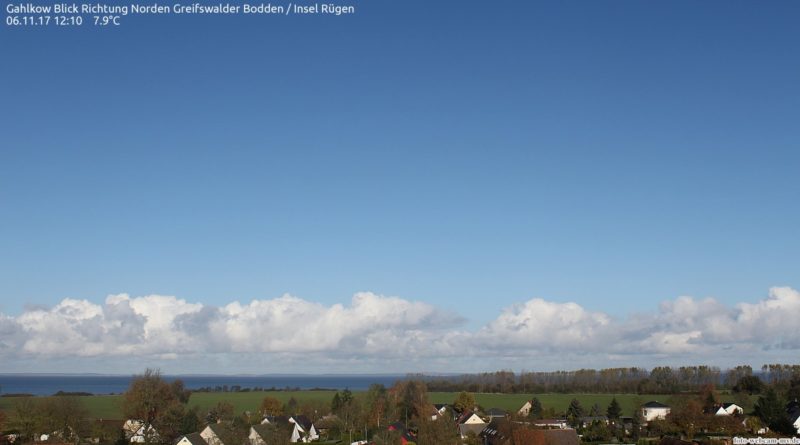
{"points": [[109, 406]]}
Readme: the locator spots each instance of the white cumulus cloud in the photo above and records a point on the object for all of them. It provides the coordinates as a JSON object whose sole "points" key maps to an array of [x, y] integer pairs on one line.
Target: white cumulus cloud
{"points": [[372, 328]]}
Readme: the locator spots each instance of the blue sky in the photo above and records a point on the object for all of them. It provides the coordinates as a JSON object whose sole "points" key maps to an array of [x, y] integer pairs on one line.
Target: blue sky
{"points": [[468, 155]]}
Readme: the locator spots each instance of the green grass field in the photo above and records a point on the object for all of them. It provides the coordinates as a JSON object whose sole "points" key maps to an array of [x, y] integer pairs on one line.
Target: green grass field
{"points": [[108, 407]]}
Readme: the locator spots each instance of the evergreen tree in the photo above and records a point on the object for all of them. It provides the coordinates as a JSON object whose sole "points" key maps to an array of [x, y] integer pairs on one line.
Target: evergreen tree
{"points": [[636, 424], [536, 409], [574, 412], [614, 410], [336, 403], [347, 396], [771, 410]]}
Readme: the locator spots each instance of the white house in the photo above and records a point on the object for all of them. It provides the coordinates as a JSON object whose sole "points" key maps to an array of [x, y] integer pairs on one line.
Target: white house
{"points": [[305, 427], [131, 426], [526, 409], [469, 422], [301, 427], [260, 433], [145, 434], [796, 421], [654, 410], [469, 418], [728, 409], [212, 434], [191, 439]]}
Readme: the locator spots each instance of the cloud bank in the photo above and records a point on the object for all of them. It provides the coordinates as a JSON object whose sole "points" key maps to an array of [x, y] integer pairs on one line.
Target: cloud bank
{"points": [[374, 329]]}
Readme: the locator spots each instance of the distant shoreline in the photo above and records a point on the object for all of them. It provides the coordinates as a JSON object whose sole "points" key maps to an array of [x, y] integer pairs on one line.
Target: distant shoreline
{"points": [[99, 384]]}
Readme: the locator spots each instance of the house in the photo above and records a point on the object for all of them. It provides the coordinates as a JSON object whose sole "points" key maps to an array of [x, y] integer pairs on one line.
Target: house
{"points": [[441, 408], [405, 435], [262, 433], [469, 418], [301, 427], [258, 434], [191, 439], [728, 409], [145, 434], [213, 434], [589, 420], [492, 434], [469, 423], [305, 428], [794, 417], [546, 437], [496, 413], [325, 423], [654, 410], [131, 426], [550, 423], [466, 430], [526, 409]]}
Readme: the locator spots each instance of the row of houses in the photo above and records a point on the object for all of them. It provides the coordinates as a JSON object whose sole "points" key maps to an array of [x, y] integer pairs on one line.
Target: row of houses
{"points": [[300, 429]]}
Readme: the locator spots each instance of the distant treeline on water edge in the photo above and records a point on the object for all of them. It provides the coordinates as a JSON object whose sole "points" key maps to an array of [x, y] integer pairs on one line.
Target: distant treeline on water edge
{"points": [[659, 380]]}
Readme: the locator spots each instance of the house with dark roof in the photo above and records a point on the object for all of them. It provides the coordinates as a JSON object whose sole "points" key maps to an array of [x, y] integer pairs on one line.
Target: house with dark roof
{"points": [[301, 427], [213, 434], [590, 420], [441, 407], [655, 410], [728, 409], [191, 439], [469, 417], [546, 437], [793, 411], [469, 423], [305, 428], [266, 433], [550, 423], [496, 413], [145, 434]]}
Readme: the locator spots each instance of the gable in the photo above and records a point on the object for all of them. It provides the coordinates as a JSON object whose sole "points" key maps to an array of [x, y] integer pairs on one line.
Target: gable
{"points": [[473, 420]]}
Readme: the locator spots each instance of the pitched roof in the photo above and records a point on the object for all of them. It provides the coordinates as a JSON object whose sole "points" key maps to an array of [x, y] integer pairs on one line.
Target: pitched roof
{"points": [[654, 404], [474, 428], [194, 439], [465, 416], [216, 428], [496, 412], [261, 429], [546, 437], [493, 433], [303, 421]]}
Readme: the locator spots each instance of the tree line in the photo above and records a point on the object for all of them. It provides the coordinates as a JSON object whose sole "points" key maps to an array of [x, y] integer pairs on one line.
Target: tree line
{"points": [[659, 380]]}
